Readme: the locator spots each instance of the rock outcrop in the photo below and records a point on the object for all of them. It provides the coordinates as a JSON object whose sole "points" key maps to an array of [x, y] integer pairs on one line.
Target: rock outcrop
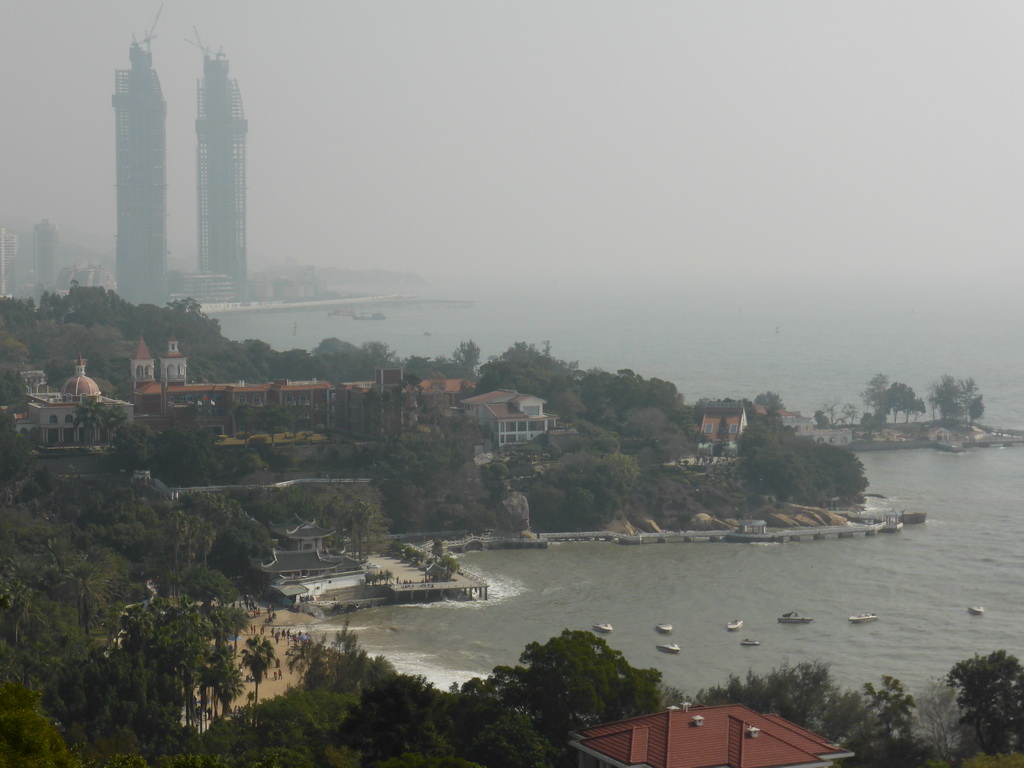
{"points": [[514, 517]]}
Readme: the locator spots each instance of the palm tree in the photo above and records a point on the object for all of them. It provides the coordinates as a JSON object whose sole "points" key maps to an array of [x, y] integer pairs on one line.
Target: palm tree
{"points": [[22, 604], [227, 623], [88, 416], [223, 679], [89, 582], [113, 420], [257, 657]]}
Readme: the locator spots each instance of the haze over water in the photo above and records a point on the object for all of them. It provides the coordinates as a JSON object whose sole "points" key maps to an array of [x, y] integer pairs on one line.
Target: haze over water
{"points": [[717, 344]]}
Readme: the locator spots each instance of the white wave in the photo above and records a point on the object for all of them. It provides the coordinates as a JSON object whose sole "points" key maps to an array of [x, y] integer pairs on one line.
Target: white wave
{"points": [[427, 665]]}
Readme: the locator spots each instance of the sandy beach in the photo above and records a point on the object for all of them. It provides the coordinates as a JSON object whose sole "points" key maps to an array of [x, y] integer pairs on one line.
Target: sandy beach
{"points": [[284, 620]]}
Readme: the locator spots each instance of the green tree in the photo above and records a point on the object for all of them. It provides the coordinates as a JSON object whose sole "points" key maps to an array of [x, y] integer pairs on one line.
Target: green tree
{"points": [[88, 417], [16, 459], [12, 386], [257, 656], [574, 680], [945, 395], [875, 394], [770, 400], [805, 693], [989, 693], [466, 359], [27, 739], [403, 714], [901, 398], [89, 583], [208, 586], [343, 667]]}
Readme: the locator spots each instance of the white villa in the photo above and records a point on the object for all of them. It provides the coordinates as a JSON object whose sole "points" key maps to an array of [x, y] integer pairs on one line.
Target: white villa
{"points": [[506, 416]]}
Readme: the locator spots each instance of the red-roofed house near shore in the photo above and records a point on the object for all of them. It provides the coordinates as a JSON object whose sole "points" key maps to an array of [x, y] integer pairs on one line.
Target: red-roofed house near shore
{"points": [[507, 417], [729, 736], [723, 423]]}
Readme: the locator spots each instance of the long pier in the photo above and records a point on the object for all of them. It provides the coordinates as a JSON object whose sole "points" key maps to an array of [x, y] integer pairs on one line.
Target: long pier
{"points": [[355, 302], [543, 540]]}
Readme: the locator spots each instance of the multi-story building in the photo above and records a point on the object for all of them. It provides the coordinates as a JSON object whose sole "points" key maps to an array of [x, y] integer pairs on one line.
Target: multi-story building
{"points": [[164, 397], [8, 250], [140, 132], [220, 196], [506, 416], [45, 242], [77, 414]]}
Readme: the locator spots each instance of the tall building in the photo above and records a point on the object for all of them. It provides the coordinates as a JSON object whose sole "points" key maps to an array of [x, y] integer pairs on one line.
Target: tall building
{"points": [[45, 243], [221, 128], [8, 250], [140, 127]]}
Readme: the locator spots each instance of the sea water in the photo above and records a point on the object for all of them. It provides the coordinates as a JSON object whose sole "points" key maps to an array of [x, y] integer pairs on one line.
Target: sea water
{"points": [[811, 351]]}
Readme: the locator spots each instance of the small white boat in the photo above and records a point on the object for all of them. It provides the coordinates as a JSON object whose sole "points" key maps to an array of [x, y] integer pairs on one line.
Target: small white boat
{"points": [[602, 628], [665, 629], [794, 618], [733, 625], [975, 610], [748, 641], [860, 618], [669, 648]]}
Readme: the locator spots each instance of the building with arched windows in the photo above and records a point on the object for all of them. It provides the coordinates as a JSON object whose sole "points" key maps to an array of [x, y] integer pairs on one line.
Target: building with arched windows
{"points": [[77, 414], [164, 397]]}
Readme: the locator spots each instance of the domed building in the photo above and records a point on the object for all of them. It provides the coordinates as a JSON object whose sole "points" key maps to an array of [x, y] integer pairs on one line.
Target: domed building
{"points": [[79, 386], [77, 414]]}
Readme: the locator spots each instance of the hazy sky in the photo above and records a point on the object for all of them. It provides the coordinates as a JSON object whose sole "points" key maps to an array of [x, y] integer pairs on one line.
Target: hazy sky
{"points": [[817, 140]]}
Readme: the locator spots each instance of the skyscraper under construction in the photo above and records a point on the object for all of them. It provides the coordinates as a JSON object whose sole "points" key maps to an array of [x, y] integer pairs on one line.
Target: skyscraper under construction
{"points": [[221, 128], [141, 148]]}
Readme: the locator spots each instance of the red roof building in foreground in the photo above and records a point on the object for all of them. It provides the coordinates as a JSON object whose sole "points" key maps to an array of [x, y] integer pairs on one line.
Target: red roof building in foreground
{"points": [[730, 736]]}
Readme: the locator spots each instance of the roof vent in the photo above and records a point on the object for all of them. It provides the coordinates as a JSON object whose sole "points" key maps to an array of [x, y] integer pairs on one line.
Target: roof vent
{"points": [[686, 706], [672, 708], [753, 731], [698, 720]]}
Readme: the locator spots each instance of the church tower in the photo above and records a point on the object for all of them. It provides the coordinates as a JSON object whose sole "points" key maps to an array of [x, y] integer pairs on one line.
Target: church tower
{"points": [[143, 364], [173, 364]]}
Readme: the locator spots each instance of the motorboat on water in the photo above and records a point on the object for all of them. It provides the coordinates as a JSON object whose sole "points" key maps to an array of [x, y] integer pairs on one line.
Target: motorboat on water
{"points": [[748, 641], [665, 629], [794, 618], [861, 618], [669, 648], [975, 610], [602, 628], [733, 625]]}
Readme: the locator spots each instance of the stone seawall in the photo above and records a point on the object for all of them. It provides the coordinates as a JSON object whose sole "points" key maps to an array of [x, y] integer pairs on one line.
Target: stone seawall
{"points": [[890, 445]]}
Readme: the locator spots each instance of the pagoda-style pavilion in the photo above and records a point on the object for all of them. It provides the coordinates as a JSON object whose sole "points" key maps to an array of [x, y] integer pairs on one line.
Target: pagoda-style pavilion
{"points": [[302, 567]]}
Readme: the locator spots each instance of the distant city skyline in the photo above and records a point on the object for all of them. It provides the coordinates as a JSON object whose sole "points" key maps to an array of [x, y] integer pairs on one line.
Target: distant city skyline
{"points": [[827, 142]]}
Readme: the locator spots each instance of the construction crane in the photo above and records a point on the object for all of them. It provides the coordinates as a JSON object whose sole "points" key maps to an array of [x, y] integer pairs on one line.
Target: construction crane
{"points": [[198, 43], [152, 30]]}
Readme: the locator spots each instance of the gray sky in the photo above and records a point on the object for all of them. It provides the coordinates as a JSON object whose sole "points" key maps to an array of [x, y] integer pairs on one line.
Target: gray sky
{"points": [[830, 141]]}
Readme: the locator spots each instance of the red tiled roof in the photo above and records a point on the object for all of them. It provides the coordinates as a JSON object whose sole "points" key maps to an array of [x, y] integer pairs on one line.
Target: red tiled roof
{"points": [[142, 351], [443, 385], [672, 739]]}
